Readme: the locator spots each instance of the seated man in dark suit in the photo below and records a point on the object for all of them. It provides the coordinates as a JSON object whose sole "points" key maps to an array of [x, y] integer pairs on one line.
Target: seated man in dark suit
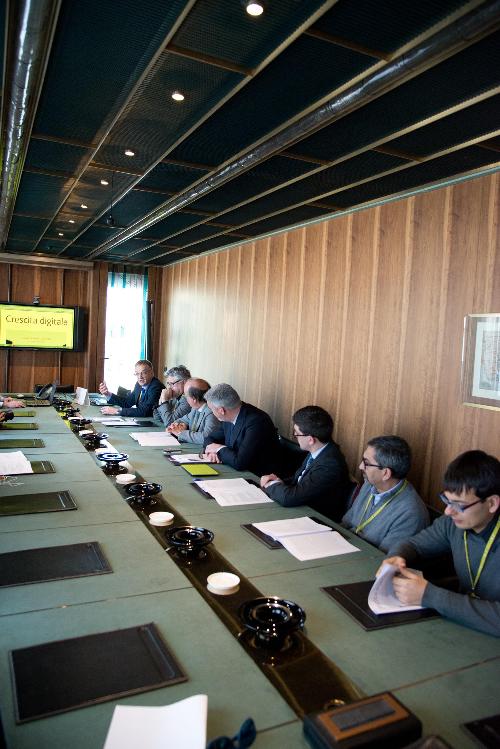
{"points": [[173, 404], [246, 438], [143, 398], [322, 481]]}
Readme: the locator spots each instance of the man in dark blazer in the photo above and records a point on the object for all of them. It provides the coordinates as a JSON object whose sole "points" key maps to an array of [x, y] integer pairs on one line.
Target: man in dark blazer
{"points": [[322, 481], [246, 438], [143, 398]]}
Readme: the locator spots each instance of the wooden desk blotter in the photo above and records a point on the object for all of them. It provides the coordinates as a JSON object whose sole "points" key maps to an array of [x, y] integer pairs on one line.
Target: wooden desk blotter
{"points": [[16, 444], [353, 598], [17, 425], [52, 563], [55, 677], [27, 504]]}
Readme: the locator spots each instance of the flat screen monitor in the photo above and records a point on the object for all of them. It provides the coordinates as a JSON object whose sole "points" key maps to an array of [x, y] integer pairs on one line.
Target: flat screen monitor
{"points": [[30, 326]]}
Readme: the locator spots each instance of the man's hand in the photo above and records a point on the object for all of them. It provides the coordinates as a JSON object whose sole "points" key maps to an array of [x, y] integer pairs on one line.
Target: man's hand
{"points": [[166, 395], [13, 403], [265, 480], [210, 457], [2, 416], [177, 427], [103, 389], [110, 410], [396, 561], [409, 587]]}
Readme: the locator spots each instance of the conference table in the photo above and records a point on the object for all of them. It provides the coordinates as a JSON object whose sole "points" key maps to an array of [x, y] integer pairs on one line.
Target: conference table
{"points": [[444, 673]]}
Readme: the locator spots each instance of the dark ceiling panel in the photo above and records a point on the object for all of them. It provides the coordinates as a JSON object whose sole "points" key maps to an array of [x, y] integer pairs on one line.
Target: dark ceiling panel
{"points": [[112, 70], [384, 26]]}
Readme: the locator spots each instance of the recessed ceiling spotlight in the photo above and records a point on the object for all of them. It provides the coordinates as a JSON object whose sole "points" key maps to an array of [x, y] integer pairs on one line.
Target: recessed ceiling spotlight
{"points": [[254, 8], [61, 233], [104, 182], [83, 205], [177, 96], [129, 152], [71, 220]]}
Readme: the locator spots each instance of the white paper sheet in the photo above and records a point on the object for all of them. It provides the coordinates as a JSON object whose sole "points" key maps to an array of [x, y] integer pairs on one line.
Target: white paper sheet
{"points": [[189, 458], [154, 439], [317, 545], [233, 492], [182, 725], [279, 529], [14, 463], [382, 599], [81, 396]]}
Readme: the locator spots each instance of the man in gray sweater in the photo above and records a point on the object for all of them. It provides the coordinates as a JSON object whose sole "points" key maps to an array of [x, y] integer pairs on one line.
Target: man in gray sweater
{"points": [[470, 530], [387, 508]]}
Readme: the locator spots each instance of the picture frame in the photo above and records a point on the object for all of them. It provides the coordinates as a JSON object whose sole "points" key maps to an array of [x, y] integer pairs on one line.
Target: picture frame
{"points": [[481, 361]]}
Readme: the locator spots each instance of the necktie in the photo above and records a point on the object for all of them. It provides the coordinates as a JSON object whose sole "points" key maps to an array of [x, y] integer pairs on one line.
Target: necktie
{"points": [[307, 466], [142, 394]]}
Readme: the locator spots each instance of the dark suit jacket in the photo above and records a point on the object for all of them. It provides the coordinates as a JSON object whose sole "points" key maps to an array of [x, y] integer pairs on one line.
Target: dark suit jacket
{"points": [[145, 406], [325, 485], [251, 444]]}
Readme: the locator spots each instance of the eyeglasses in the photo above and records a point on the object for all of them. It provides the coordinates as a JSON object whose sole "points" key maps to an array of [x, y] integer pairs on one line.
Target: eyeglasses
{"points": [[142, 372], [301, 435], [171, 384], [459, 506], [371, 465]]}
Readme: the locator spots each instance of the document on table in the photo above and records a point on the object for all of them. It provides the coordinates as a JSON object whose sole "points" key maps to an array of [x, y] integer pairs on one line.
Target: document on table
{"points": [[233, 492], [382, 599], [305, 539], [14, 463], [188, 458], [154, 439], [182, 725], [279, 529]]}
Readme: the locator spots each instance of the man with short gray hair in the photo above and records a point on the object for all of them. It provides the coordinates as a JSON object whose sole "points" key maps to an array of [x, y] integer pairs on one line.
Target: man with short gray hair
{"points": [[246, 438], [388, 509], [173, 404]]}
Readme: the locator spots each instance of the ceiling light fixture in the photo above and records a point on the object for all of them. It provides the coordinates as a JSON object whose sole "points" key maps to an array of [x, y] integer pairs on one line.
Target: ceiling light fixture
{"points": [[60, 233], [177, 96], [129, 152], [71, 220], [104, 182], [253, 8], [83, 205]]}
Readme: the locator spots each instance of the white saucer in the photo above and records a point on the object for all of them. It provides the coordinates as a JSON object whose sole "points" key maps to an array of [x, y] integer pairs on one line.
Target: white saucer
{"points": [[223, 583], [84, 431], [161, 518], [125, 478]]}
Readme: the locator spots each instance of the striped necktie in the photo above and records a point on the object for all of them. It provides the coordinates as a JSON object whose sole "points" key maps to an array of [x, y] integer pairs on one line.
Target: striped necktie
{"points": [[307, 466]]}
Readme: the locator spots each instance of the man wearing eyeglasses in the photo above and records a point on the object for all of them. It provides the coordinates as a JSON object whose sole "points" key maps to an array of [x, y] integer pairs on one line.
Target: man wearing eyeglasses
{"points": [[387, 509], [322, 481], [142, 399], [173, 404], [470, 530]]}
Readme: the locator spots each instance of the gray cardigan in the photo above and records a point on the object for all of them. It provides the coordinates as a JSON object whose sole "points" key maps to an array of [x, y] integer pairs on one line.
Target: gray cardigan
{"points": [[481, 613]]}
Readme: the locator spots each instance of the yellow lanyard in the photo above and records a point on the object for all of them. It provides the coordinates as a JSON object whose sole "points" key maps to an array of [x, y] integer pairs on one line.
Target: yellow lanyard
{"points": [[378, 510], [474, 580]]}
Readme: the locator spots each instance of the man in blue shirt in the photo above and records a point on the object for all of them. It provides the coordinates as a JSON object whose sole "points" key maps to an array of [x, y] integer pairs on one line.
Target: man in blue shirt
{"points": [[143, 398], [387, 508]]}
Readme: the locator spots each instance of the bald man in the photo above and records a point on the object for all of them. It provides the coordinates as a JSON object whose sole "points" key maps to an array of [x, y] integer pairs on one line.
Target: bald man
{"points": [[200, 421]]}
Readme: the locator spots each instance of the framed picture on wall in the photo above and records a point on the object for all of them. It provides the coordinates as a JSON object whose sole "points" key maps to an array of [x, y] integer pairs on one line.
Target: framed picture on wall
{"points": [[481, 361]]}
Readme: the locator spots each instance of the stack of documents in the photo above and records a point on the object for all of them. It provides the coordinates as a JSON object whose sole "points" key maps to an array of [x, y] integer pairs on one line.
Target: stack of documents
{"points": [[154, 439], [305, 539], [232, 492], [14, 463], [382, 599], [182, 725]]}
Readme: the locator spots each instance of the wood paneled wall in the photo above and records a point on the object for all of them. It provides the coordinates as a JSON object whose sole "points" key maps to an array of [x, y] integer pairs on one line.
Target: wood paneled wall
{"points": [[362, 315], [21, 370]]}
